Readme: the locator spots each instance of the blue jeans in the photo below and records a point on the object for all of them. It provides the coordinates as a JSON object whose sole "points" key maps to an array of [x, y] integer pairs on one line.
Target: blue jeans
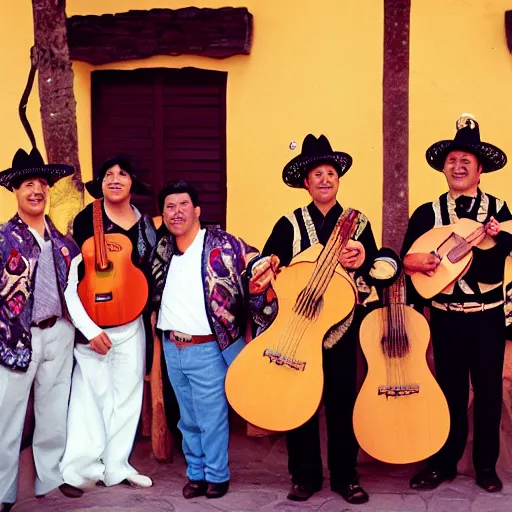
{"points": [[197, 375]]}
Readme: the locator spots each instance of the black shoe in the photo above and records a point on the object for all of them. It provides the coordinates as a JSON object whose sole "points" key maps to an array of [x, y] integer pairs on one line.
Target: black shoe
{"points": [[70, 491], [352, 493], [5, 507], [300, 492], [194, 489], [489, 481], [217, 490], [430, 478]]}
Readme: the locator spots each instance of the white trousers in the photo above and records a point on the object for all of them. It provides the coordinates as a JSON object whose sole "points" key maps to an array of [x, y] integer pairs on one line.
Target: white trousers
{"points": [[50, 371], [104, 409]]}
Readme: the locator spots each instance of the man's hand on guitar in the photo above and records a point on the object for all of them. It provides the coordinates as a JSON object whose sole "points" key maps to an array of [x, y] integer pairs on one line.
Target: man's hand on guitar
{"points": [[352, 256], [421, 262], [101, 343], [492, 228], [262, 274]]}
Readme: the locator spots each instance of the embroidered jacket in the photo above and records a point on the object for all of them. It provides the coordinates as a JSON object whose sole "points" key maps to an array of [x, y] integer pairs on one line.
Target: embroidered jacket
{"points": [[19, 252], [224, 271]]}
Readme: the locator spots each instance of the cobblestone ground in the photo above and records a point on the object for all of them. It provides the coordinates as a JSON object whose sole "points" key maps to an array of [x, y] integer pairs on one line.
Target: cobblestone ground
{"points": [[260, 483]]}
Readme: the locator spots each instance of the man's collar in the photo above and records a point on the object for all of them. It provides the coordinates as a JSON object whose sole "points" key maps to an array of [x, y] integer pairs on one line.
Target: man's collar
{"points": [[315, 212]]}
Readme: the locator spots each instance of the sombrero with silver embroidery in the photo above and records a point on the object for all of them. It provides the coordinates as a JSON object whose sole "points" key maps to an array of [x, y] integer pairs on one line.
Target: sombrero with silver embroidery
{"points": [[467, 139], [314, 152], [28, 165]]}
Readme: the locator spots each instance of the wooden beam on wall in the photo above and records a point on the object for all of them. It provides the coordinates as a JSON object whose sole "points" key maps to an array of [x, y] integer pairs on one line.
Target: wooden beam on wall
{"points": [[217, 33]]}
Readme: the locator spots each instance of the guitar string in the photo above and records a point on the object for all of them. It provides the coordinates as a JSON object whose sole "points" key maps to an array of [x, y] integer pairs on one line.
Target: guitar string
{"points": [[333, 259], [295, 321], [395, 340], [306, 301], [310, 296]]}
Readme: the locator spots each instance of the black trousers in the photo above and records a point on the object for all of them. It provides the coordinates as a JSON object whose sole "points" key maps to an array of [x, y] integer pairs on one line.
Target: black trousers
{"points": [[470, 345], [340, 391]]}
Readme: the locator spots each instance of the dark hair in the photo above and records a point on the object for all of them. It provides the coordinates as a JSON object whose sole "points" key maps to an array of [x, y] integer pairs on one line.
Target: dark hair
{"points": [[180, 187], [123, 161]]}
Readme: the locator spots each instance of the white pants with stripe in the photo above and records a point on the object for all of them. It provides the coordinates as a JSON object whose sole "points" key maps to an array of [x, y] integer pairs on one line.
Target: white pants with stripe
{"points": [[50, 371], [104, 409]]}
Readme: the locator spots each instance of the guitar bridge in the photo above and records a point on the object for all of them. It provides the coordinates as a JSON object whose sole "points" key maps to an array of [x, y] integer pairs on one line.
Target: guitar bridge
{"points": [[280, 360], [411, 389]]}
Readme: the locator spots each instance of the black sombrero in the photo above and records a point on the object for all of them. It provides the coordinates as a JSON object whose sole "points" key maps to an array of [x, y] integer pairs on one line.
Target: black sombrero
{"points": [[138, 187], [26, 165], [314, 152], [467, 139]]}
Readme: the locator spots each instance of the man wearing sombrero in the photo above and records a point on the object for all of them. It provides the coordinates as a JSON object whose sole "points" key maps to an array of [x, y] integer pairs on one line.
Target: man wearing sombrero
{"points": [[467, 322], [318, 169], [36, 335], [106, 395]]}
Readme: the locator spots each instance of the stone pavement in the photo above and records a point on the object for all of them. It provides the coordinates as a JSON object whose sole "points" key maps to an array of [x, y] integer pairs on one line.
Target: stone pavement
{"points": [[259, 483]]}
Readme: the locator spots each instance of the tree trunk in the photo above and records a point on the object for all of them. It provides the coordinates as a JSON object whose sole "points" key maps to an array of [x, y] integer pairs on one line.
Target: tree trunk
{"points": [[58, 107], [395, 118]]}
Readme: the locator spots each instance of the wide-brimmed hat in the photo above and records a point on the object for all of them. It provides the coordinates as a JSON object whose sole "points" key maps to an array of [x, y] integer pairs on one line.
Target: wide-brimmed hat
{"points": [[27, 165], [314, 152], [138, 187], [467, 139]]}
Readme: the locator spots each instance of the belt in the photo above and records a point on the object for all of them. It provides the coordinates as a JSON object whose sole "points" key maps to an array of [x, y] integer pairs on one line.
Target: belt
{"points": [[182, 340], [466, 307], [46, 323]]}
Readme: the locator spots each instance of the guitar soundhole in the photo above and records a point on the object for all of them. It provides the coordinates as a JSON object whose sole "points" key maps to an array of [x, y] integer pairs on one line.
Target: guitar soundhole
{"points": [[281, 360], [108, 268], [103, 297], [411, 389]]}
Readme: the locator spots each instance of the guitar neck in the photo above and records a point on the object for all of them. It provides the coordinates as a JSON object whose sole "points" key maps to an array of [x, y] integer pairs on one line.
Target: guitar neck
{"points": [[396, 293], [100, 246]]}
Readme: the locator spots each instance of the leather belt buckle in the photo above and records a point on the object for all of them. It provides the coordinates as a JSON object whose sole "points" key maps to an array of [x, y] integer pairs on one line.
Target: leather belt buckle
{"points": [[47, 323], [181, 337]]}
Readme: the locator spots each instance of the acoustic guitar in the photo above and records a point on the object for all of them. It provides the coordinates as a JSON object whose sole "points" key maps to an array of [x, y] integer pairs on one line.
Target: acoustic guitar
{"points": [[453, 245], [113, 291], [401, 414], [276, 381]]}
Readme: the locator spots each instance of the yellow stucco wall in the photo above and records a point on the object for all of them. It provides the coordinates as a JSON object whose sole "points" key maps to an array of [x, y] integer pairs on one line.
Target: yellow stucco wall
{"points": [[316, 69], [16, 39], [459, 63]]}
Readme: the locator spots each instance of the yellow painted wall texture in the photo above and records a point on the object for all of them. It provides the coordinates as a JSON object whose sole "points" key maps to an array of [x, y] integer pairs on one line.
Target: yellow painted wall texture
{"points": [[16, 39], [459, 63], [314, 68]]}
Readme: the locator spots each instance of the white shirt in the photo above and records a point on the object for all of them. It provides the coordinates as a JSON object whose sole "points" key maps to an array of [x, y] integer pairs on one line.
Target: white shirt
{"points": [[183, 308]]}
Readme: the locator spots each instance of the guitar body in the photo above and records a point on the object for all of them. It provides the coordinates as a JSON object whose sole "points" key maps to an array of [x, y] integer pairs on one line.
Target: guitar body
{"points": [[399, 429], [117, 295], [447, 272], [274, 396]]}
